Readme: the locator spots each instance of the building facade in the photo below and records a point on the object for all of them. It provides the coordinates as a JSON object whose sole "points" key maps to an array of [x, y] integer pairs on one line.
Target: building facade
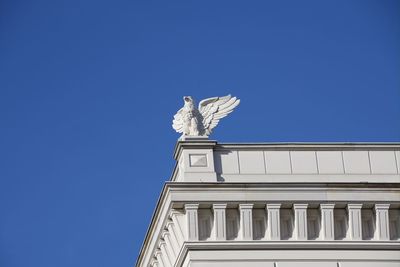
{"points": [[278, 205]]}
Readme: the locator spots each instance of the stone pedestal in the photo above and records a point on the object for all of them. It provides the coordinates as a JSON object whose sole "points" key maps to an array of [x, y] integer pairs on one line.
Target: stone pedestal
{"points": [[195, 157]]}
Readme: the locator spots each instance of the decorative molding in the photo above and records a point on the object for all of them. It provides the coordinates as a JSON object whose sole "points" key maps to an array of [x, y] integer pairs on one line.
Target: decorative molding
{"points": [[274, 229], [177, 227], [286, 245], [327, 221], [160, 258], [246, 221], [192, 222], [233, 203], [219, 221], [300, 221], [355, 232], [382, 221]]}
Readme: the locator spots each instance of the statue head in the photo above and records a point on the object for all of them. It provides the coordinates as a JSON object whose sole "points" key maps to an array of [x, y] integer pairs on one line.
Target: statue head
{"points": [[189, 102], [188, 99]]}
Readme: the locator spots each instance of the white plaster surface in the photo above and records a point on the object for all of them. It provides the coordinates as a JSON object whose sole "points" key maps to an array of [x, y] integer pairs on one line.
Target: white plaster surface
{"points": [[198, 160], [310, 164], [226, 161], [356, 162], [383, 162], [304, 162], [251, 162], [278, 162], [294, 258], [330, 162], [307, 264], [372, 263], [232, 264]]}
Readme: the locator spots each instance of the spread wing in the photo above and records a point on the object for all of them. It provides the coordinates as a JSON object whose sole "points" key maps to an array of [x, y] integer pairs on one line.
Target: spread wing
{"points": [[177, 122], [215, 108]]}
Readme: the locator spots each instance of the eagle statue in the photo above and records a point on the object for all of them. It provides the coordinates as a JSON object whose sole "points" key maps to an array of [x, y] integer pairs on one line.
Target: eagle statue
{"points": [[191, 121]]}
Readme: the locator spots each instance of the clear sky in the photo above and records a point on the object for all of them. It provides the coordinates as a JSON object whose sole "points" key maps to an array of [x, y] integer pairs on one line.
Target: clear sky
{"points": [[88, 90]]}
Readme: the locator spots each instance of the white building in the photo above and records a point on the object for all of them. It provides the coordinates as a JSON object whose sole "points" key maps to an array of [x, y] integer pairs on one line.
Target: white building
{"points": [[278, 205]]}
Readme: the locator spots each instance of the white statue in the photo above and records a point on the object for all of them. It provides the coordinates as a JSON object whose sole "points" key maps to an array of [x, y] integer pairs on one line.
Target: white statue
{"points": [[191, 121]]}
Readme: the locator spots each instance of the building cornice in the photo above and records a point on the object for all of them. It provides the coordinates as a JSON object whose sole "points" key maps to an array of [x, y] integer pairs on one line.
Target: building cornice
{"points": [[312, 146], [167, 201], [208, 173], [213, 150], [287, 245]]}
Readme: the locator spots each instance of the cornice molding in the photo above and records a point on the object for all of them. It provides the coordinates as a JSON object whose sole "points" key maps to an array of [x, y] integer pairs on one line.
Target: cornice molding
{"points": [[287, 245]]}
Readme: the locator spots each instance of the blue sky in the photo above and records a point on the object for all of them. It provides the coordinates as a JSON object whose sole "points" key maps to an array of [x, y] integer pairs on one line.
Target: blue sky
{"points": [[88, 90]]}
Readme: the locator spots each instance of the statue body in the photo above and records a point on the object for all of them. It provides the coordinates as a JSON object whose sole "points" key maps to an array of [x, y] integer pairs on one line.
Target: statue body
{"points": [[190, 118], [191, 121]]}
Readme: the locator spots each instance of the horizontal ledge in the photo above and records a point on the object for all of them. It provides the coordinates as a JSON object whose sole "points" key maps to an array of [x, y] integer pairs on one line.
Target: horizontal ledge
{"points": [[316, 146], [366, 178], [285, 185], [284, 244]]}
